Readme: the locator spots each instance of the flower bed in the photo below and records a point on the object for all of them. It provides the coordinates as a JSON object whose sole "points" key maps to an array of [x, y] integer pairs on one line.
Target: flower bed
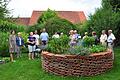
{"points": [[76, 65]]}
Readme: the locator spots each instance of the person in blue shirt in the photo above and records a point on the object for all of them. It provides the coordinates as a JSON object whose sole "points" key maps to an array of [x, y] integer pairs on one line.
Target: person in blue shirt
{"points": [[44, 37], [19, 43]]}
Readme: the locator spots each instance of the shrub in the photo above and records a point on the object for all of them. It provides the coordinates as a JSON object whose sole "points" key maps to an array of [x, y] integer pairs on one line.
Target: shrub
{"points": [[59, 45], [4, 46], [46, 16], [25, 37], [97, 48], [88, 41], [37, 27], [79, 50], [4, 49], [6, 26], [50, 20], [59, 25]]}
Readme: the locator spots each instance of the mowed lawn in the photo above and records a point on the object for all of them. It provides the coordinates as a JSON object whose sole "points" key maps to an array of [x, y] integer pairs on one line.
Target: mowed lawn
{"points": [[24, 69]]}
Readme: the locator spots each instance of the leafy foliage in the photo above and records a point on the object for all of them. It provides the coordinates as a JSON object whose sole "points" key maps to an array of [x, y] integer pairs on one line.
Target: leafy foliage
{"points": [[88, 41], [37, 27], [24, 36], [59, 45], [79, 50], [58, 25], [3, 9], [104, 19], [115, 5], [97, 48], [50, 20], [46, 16], [6, 26], [4, 44]]}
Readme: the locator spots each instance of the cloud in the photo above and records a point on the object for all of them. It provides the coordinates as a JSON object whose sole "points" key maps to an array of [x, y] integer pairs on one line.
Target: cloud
{"points": [[24, 8]]}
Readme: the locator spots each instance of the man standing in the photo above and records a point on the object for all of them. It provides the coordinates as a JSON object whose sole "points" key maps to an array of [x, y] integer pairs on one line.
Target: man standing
{"points": [[44, 38], [37, 38], [110, 40]]}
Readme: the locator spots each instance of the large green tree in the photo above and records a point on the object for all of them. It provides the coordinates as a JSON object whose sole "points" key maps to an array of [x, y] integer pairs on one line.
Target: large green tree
{"points": [[46, 16], [53, 23], [104, 19], [115, 5], [3, 9]]}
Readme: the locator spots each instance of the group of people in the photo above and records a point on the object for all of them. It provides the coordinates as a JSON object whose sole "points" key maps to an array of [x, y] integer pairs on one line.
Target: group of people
{"points": [[15, 43], [105, 40], [33, 41]]}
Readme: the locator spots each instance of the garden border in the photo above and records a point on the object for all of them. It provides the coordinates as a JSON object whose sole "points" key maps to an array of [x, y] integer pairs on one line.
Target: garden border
{"points": [[76, 65]]}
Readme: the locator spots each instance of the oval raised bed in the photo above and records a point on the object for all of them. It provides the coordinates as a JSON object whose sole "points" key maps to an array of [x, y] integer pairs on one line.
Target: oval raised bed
{"points": [[75, 65]]}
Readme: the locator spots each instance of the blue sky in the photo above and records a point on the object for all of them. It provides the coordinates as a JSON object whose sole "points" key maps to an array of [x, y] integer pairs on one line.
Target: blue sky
{"points": [[24, 8]]}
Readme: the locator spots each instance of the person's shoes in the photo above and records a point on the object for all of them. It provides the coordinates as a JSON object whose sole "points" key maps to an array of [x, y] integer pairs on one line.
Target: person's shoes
{"points": [[32, 58]]}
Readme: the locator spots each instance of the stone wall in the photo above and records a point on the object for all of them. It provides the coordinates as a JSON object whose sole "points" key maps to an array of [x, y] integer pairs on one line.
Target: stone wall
{"points": [[74, 65]]}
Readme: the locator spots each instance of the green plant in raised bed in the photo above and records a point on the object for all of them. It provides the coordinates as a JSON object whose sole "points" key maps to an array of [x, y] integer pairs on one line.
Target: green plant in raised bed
{"points": [[97, 48], [88, 41], [59, 45], [79, 50]]}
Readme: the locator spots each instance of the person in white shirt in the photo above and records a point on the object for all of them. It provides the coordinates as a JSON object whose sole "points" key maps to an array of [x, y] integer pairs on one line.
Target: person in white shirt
{"points": [[56, 35], [110, 40], [37, 38], [103, 38]]}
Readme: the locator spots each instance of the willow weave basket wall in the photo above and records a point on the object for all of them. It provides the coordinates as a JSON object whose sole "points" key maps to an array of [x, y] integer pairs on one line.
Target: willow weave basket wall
{"points": [[75, 65]]}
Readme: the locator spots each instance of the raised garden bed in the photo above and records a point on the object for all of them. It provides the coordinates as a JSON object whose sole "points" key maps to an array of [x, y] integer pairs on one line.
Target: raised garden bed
{"points": [[76, 65]]}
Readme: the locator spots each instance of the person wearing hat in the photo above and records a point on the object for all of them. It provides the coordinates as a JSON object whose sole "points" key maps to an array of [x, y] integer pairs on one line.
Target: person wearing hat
{"points": [[86, 35], [103, 38], [95, 37], [110, 40], [19, 43]]}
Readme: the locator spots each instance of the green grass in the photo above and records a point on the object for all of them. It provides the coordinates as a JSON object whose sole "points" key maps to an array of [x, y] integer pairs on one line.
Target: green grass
{"points": [[24, 69]]}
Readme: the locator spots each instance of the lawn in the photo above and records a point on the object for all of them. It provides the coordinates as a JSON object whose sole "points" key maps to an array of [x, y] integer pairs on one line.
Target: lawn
{"points": [[24, 69]]}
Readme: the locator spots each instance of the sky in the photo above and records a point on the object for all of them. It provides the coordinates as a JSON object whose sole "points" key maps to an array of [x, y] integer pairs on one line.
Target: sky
{"points": [[24, 8]]}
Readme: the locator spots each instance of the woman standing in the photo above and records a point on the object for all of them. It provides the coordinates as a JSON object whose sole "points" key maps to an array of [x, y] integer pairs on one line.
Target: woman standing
{"points": [[72, 38], [12, 45], [103, 38]]}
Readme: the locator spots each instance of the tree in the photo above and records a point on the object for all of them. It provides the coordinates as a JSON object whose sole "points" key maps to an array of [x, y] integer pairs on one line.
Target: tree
{"points": [[115, 5], [3, 9], [46, 16], [57, 24], [105, 19], [53, 23]]}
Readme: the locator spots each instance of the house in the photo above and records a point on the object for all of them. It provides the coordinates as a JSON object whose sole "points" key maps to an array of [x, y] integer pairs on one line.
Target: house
{"points": [[72, 16]]}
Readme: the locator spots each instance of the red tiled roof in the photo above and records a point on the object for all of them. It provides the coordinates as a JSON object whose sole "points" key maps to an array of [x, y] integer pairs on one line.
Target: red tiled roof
{"points": [[72, 16], [22, 21]]}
